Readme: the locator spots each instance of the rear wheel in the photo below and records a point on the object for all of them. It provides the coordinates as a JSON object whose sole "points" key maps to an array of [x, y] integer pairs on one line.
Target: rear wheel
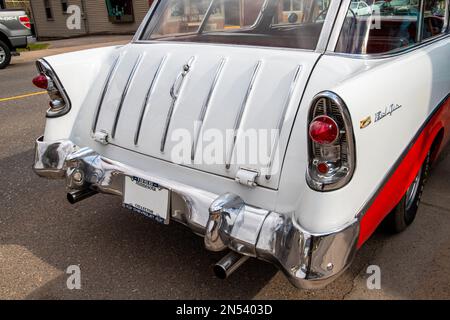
{"points": [[405, 212], [5, 55]]}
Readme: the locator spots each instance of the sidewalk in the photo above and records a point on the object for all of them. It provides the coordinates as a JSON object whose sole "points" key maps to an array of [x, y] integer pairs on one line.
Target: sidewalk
{"points": [[73, 44]]}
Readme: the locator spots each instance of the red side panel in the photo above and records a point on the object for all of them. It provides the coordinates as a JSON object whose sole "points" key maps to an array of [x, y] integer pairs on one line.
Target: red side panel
{"points": [[392, 192]]}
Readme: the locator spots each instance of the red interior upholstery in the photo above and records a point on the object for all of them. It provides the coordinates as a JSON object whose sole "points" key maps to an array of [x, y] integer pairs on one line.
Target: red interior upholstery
{"points": [[392, 33]]}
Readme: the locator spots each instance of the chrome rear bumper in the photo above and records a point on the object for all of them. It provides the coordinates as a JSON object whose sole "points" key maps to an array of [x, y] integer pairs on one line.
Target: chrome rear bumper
{"points": [[225, 221]]}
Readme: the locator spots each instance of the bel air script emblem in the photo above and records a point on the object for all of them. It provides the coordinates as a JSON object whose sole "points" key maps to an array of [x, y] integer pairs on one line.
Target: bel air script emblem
{"points": [[364, 123], [387, 112]]}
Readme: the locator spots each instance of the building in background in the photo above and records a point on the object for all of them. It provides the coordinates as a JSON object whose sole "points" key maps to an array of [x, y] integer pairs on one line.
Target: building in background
{"points": [[97, 17], [17, 4]]}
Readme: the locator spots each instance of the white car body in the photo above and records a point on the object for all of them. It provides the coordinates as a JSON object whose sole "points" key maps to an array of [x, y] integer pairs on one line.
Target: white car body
{"points": [[361, 8], [285, 83]]}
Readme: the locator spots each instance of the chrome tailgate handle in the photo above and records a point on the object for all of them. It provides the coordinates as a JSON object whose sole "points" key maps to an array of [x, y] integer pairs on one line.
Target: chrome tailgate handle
{"points": [[175, 90], [174, 93]]}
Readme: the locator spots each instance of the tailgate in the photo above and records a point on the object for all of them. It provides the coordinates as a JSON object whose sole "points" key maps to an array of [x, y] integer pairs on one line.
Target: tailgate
{"points": [[209, 107]]}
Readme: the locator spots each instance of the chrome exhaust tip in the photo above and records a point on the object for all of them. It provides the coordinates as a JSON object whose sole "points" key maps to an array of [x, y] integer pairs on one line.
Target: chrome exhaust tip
{"points": [[229, 264], [80, 195]]}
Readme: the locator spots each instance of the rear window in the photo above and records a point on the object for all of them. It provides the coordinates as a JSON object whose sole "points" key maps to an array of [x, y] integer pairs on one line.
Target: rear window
{"points": [[273, 23], [375, 27]]}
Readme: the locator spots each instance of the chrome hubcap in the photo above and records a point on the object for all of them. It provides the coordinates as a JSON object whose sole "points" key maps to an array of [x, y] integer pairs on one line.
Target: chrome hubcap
{"points": [[2, 55], [411, 193]]}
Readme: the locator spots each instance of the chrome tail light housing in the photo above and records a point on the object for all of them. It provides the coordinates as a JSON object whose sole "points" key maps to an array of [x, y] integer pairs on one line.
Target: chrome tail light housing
{"points": [[59, 100], [331, 164]]}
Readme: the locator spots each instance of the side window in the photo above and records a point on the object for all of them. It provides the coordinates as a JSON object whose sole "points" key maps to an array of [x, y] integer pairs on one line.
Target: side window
{"points": [[434, 18], [388, 26], [187, 16]]}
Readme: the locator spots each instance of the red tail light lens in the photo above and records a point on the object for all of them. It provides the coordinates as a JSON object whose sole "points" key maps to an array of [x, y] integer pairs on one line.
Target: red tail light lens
{"points": [[323, 130], [323, 168], [25, 21], [41, 81]]}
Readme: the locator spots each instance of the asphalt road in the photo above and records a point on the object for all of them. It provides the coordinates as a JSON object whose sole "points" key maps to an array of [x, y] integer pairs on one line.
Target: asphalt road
{"points": [[125, 256]]}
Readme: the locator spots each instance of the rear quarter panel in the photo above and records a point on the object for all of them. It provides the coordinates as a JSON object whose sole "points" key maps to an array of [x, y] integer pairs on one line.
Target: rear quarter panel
{"points": [[83, 74], [418, 81]]}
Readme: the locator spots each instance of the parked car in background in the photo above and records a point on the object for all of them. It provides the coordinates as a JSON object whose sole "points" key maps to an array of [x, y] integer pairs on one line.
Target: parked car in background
{"points": [[15, 32], [262, 134], [376, 6], [361, 8], [400, 7]]}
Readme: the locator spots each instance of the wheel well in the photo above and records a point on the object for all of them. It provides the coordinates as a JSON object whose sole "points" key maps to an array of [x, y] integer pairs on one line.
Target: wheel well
{"points": [[5, 39], [435, 146]]}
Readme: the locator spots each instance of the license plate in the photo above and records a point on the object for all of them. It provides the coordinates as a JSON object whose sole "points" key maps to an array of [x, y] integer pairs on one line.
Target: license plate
{"points": [[147, 198]]}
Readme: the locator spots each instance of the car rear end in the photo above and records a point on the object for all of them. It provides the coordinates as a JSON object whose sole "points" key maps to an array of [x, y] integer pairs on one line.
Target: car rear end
{"points": [[15, 32], [199, 133]]}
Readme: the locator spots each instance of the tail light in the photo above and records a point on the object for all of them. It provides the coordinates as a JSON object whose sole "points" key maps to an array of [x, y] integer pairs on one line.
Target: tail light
{"points": [[332, 157], [41, 81], [48, 80], [25, 21], [323, 130]]}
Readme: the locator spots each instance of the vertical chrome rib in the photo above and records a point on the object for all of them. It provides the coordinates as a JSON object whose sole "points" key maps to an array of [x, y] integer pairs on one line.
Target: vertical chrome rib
{"points": [[147, 98], [238, 120], [205, 107], [106, 86], [124, 94], [283, 117], [174, 93], [289, 97]]}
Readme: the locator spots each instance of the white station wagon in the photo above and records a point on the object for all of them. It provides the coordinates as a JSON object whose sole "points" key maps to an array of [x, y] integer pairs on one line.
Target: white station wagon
{"points": [[286, 131]]}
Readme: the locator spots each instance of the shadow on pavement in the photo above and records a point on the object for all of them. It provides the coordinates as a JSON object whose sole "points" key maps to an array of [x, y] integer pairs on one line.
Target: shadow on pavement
{"points": [[121, 254]]}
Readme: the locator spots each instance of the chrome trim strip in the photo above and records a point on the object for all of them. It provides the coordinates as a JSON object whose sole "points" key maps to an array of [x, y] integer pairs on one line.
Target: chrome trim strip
{"points": [[420, 22], [238, 120], [178, 43], [150, 91], [174, 93], [106, 86], [337, 28], [206, 17], [125, 93], [44, 67], [377, 56], [145, 21], [205, 107], [283, 117], [328, 26], [447, 17]]}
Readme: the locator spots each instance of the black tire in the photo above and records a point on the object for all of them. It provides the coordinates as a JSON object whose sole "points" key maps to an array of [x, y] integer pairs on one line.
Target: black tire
{"points": [[7, 59], [403, 215]]}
